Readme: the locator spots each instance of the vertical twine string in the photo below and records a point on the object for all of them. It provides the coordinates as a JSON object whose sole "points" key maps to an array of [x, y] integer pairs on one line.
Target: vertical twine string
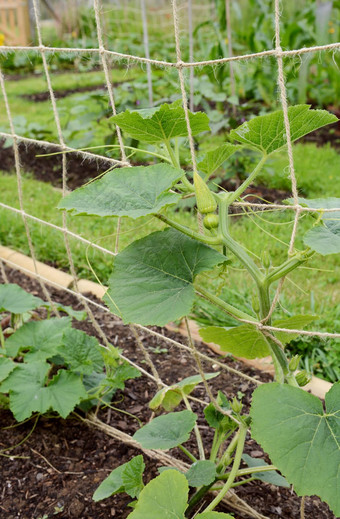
{"points": [[179, 66], [185, 99], [109, 87], [284, 104], [64, 176], [191, 55], [230, 52], [147, 51], [147, 356], [20, 195], [3, 271]]}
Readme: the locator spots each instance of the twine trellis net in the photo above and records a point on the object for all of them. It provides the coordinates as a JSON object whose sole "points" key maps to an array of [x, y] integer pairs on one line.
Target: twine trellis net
{"points": [[185, 70]]}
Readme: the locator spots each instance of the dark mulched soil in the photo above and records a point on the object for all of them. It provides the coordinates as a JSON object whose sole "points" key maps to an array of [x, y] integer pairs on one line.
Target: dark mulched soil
{"points": [[57, 469], [59, 94]]}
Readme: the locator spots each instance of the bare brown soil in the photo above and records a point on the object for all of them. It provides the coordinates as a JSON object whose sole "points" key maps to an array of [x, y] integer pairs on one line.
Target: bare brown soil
{"points": [[55, 471]]}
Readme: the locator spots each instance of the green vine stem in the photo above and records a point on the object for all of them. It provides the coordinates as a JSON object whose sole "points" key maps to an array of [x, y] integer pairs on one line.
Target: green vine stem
{"points": [[188, 453], [208, 240], [235, 247], [230, 309], [236, 194], [234, 470]]}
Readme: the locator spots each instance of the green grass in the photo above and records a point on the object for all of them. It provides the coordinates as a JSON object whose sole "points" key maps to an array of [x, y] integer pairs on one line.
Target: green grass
{"points": [[68, 80], [317, 171]]}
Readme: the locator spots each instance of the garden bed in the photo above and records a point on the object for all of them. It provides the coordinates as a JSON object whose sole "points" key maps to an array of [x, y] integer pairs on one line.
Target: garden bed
{"points": [[57, 469]]}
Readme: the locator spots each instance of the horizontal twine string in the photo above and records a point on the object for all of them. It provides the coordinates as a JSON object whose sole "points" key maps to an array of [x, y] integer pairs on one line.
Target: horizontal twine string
{"points": [[181, 64]]}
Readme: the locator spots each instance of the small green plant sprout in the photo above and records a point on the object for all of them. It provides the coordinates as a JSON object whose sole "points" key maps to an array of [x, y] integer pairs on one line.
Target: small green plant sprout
{"points": [[157, 279], [46, 365]]}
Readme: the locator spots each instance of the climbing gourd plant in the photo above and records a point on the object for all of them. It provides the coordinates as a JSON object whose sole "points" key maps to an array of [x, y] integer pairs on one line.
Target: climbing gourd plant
{"points": [[154, 281]]}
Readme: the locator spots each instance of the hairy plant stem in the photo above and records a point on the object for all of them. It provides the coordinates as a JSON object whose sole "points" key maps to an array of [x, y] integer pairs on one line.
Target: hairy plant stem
{"points": [[249, 470], [234, 470], [230, 309], [188, 453], [196, 498], [226, 458], [219, 438], [262, 284], [289, 265], [208, 240], [236, 194], [235, 247]]}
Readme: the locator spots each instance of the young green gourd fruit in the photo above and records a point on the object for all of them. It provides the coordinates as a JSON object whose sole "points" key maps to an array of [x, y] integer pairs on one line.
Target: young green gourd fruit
{"points": [[205, 200], [211, 221]]}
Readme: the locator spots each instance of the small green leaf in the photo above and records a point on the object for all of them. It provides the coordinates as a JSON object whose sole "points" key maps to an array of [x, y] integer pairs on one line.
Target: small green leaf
{"points": [[42, 338], [243, 341], [161, 123], [81, 352], [170, 397], [125, 478], [297, 322], [6, 367], [272, 477], [152, 279], [214, 515], [124, 371], [132, 192], [201, 472], [111, 485], [215, 158], [79, 315], [266, 133], [132, 476], [166, 431], [16, 300], [215, 418], [166, 497], [301, 439]]}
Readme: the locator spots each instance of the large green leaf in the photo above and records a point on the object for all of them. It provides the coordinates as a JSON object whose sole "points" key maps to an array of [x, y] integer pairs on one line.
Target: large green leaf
{"points": [[81, 352], [170, 397], [215, 158], [297, 322], [244, 341], [111, 485], [301, 439], [166, 431], [152, 279], [160, 123], [164, 497], [267, 133], [133, 192], [42, 338], [28, 393], [15, 300], [125, 478]]}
